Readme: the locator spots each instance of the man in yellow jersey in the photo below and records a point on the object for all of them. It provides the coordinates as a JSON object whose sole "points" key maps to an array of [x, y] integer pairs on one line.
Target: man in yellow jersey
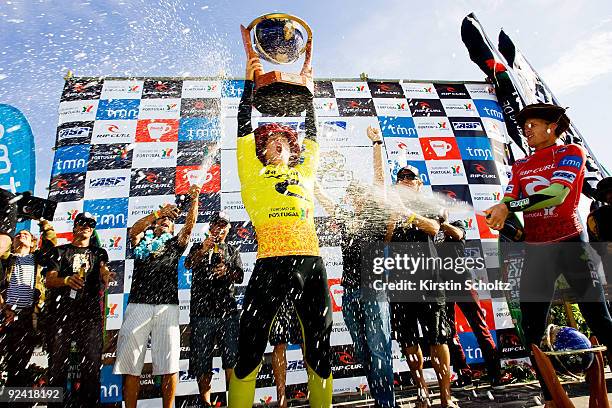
{"points": [[277, 178]]}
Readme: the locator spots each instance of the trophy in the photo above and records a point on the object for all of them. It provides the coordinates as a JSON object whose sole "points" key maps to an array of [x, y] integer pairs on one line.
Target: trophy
{"points": [[280, 39], [566, 349]]}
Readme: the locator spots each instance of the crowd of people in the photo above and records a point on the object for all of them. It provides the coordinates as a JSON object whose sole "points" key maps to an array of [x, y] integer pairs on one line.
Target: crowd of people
{"points": [[287, 299]]}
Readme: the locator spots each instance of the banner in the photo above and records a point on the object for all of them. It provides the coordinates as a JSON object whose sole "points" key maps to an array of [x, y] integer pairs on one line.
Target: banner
{"points": [[488, 59], [535, 90], [17, 154], [125, 146]]}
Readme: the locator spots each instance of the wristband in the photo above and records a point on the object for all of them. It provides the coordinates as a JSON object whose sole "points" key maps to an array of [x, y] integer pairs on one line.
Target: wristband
{"points": [[377, 142], [66, 280], [411, 218]]}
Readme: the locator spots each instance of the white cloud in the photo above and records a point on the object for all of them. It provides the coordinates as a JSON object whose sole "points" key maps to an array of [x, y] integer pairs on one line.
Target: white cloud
{"points": [[584, 63]]}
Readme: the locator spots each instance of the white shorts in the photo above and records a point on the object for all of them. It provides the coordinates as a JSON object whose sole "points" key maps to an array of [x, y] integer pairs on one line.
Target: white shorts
{"points": [[140, 320]]}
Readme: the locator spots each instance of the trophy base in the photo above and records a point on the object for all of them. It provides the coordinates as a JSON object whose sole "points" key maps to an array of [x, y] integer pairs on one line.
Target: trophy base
{"points": [[282, 94]]}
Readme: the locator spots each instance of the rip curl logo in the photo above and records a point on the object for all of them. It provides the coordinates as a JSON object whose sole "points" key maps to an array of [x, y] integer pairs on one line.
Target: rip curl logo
{"points": [[151, 177], [450, 89], [424, 105], [113, 128], [480, 169], [243, 233], [62, 184], [161, 87], [450, 194], [345, 357]]}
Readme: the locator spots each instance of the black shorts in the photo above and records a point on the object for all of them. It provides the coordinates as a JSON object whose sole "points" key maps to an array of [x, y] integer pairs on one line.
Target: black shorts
{"points": [[286, 327], [8, 214], [431, 316]]}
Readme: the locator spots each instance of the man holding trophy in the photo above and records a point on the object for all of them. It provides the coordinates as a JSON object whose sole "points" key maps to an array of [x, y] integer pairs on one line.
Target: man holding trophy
{"points": [[277, 178]]}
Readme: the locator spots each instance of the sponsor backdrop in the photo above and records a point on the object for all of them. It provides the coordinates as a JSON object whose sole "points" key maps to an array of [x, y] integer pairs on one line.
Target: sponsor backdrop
{"points": [[126, 146]]}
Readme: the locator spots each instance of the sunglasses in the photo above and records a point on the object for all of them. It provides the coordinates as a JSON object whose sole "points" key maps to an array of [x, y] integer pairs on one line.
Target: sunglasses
{"points": [[87, 223], [406, 176]]}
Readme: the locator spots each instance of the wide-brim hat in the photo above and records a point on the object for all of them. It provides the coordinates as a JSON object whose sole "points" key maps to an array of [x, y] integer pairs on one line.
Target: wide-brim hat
{"points": [[545, 111], [263, 133]]}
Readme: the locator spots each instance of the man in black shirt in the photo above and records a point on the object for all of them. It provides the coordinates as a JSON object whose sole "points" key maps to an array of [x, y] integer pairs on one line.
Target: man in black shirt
{"points": [[430, 313], [599, 226], [453, 247], [75, 279], [153, 301], [216, 266]]}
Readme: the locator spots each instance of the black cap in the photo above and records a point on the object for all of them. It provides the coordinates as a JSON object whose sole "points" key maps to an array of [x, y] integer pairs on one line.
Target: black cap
{"points": [[85, 219], [604, 186], [545, 111], [219, 218]]}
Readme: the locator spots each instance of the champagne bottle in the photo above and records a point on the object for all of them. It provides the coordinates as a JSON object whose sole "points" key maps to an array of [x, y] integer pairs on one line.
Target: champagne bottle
{"points": [[73, 292]]}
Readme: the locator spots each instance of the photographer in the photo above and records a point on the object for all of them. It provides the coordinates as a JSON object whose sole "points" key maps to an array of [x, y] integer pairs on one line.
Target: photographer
{"points": [[214, 320], [22, 296], [153, 307], [76, 276]]}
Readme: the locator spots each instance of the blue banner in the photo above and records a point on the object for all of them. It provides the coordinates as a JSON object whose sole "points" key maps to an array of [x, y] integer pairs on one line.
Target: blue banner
{"points": [[17, 154]]}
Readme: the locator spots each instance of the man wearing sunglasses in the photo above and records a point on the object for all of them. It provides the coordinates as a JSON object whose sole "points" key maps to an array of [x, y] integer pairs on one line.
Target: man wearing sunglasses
{"points": [[430, 314], [153, 307], [76, 276]]}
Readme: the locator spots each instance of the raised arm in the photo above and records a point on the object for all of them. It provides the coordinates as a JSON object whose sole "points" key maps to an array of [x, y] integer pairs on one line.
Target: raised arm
{"points": [[328, 205], [245, 107], [377, 143], [140, 226], [192, 216]]}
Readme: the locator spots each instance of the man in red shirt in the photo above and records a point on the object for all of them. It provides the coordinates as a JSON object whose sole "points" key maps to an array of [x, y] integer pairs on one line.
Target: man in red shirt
{"points": [[545, 187]]}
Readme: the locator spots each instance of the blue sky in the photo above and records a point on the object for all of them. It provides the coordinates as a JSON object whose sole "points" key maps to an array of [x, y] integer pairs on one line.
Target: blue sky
{"points": [[568, 41]]}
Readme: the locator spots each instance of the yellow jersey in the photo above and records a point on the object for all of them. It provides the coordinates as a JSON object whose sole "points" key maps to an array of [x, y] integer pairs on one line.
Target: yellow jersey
{"points": [[279, 200]]}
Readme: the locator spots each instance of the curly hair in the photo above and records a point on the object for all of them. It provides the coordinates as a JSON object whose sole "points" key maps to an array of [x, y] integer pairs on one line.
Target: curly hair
{"points": [[263, 133]]}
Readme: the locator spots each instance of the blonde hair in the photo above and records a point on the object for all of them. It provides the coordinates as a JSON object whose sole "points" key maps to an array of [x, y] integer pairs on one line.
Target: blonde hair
{"points": [[34, 244]]}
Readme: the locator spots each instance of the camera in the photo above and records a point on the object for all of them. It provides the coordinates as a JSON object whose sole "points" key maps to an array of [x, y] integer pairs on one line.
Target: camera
{"points": [[35, 208]]}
